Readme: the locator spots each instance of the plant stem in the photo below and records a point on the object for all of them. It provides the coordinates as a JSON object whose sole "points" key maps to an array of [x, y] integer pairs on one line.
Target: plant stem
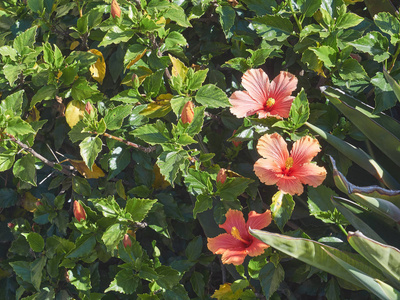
{"points": [[342, 229], [128, 143], [67, 170], [394, 57], [295, 16]]}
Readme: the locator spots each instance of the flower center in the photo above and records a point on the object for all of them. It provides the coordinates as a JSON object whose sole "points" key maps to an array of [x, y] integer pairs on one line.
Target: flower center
{"points": [[236, 234], [270, 102], [289, 163]]}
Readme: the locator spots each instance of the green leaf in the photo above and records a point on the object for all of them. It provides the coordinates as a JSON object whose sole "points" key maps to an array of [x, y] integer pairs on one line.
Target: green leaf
{"points": [[195, 81], [16, 126], [25, 40], [167, 277], [272, 28], [358, 156], [194, 248], [36, 6], [385, 98], [12, 72], [319, 203], [30, 272], [308, 7], [113, 235], [375, 7], [281, 208], [80, 278], [7, 159], [233, 187], [227, 17], [395, 86], [178, 15], [84, 245], [8, 197], [258, 57], [348, 20], [35, 241], [384, 257], [90, 148], [260, 7], [212, 96], [46, 92], [174, 40], [116, 116], [373, 43], [371, 284], [389, 24], [76, 133], [9, 51], [118, 161], [316, 254], [326, 54], [125, 282], [197, 123], [117, 35], [152, 83], [352, 70], [271, 277], [238, 63], [170, 162], [153, 133], [198, 182], [198, 284], [13, 103], [81, 186], [203, 203], [300, 111], [24, 169], [139, 208]]}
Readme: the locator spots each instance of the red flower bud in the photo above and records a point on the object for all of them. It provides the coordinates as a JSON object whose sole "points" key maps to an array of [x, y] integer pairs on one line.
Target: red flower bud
{"points": [[356, 57], [235, 143], [187, 112], [115, 9], [221, 176], [79, 211], [127, 241], [11, 225], [88, 107], [38, 203]]}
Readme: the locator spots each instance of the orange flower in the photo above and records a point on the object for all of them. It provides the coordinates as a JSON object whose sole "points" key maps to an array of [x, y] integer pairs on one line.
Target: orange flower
{"points": [[288, 172], [115, 9], [127, 241], [221, 176], [267, 99], [187, 112], [237, 243], [79, 211]]}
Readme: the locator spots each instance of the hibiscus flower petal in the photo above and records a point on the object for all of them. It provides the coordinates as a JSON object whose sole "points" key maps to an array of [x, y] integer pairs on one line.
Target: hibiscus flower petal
{"points": [[304, 150], [267, 171], [243, 105], [222, 242], [282, 86], [290, 185], [235, 257], [256, 248], [256, 82], [310, 174], [273, 146], [282, 108], [259, 221], [234, 218]]}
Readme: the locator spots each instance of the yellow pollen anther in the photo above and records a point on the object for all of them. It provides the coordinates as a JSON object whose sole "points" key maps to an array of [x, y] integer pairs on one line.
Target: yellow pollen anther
{"points": [[289, 163], [270, 102], [236, 234]]}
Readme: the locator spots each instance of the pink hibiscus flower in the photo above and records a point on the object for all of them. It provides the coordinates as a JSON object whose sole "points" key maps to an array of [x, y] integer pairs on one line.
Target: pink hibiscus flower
{"points": [[267, 99], [237, 243], [288, 172]]}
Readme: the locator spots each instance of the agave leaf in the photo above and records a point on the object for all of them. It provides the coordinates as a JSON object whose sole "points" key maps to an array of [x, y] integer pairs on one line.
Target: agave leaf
{"points": [[381, 118], [386, 141], [358, 156], [315, 254], [380, 206], [355, 220], [373, 191], [371, 284], [395, 86], [384, 257]]}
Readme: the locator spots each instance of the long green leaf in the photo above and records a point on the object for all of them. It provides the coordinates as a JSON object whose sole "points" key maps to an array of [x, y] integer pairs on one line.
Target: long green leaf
{"points": [[384, 257], [315, 254], [374, 285], [395, 86], [377, 6], [358, 156], [373, 191], [387, 142]]}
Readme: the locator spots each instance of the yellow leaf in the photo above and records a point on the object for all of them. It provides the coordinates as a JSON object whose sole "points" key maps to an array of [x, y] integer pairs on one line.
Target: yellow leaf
{"points": [[347, 2], [85, 171], [178, 68], [133, 61], [73, 45], [277, 199], [157, 109], [33, 115], [29, 202], [159, 181], [74, 112], [225, 293], [120, 189], [98, 69]]}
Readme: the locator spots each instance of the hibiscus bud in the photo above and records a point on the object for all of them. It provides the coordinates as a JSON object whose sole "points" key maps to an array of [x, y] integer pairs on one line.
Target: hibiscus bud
{"points": [[127, 241], [79, 211], [115, 9], [135, 81], [11, 225], [88, 107], [38, 203], [187, 112], [235, 143], [356, 57], [221, 176]]}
